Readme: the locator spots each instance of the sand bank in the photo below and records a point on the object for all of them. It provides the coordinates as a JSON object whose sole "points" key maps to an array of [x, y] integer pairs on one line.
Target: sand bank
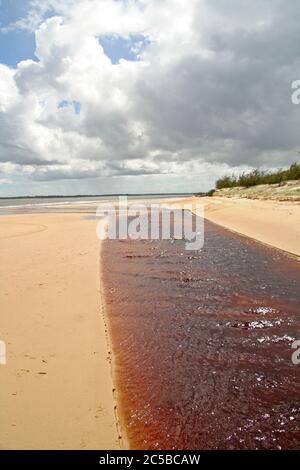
{"points": [[56, 388], [274, 223]]}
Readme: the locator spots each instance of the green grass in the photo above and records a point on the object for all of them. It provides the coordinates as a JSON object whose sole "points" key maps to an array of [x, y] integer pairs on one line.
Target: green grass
{"points": [[256, 177]]}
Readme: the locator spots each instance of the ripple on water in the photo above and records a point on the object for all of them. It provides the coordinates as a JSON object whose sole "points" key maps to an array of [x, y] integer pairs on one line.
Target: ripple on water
{"points": [[202, 352]]}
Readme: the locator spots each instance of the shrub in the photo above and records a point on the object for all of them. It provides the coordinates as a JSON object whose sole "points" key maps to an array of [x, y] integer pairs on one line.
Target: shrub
{"points": [[256, 177]]}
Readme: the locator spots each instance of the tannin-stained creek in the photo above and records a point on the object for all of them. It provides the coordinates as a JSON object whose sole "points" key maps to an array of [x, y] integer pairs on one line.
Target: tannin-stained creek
{"points": [[202, 342]]}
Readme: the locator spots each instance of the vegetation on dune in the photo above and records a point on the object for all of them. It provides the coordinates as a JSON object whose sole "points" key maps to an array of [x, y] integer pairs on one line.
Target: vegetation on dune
{"points": [[206, 194], [256, 177]]}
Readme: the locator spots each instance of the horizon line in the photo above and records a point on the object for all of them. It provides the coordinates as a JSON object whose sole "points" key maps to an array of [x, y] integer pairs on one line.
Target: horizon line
{"points": [[96, 195]]}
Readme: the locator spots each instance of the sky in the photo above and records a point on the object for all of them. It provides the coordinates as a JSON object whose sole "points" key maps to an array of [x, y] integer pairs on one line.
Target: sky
{"points": [[133, 96]]}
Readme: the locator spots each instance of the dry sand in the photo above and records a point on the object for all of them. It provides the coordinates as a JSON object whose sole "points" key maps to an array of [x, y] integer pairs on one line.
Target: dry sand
{"points": [[271, 222], [56, 389], [285, 191]]}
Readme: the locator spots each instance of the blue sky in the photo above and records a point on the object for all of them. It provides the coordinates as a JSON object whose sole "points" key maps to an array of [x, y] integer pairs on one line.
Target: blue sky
{"points": [[14, 45], [116, 47], [75, 104], [17, 45], [12, 10]]}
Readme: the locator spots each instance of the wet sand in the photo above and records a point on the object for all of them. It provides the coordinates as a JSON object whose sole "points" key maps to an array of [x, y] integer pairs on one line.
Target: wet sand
{"points": [[56, 389], [202, 342]]}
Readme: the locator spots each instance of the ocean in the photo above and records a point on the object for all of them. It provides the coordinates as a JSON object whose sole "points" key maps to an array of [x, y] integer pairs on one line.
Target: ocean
{"points": [[61, 203]]}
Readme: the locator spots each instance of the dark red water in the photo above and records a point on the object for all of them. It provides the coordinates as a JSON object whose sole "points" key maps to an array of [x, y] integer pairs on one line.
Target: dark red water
{"points": [[202, 342]]}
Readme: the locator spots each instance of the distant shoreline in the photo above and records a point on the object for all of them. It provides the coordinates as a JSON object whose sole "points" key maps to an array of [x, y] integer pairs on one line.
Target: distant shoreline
{"points": [[97, 195]]}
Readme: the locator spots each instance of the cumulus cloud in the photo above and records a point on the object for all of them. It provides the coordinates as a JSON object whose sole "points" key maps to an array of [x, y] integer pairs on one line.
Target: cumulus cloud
{"points": [[207, 85]]}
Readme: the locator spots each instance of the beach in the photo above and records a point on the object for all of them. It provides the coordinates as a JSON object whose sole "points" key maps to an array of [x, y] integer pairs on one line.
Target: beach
{"points": [[272, 222], [57, 388]]}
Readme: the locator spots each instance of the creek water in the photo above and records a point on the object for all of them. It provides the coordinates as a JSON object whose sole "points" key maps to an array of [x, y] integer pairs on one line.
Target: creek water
{"points": [[202, 342]]}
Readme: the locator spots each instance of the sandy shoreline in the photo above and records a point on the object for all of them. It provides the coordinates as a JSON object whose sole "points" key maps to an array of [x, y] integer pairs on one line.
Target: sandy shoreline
{"points": [[274, 223], [56, 389]]}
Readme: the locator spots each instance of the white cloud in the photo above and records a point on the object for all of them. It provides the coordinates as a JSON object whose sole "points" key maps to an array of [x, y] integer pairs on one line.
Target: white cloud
{"points": [[5, 181], [210, 90], [8, 89]]}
